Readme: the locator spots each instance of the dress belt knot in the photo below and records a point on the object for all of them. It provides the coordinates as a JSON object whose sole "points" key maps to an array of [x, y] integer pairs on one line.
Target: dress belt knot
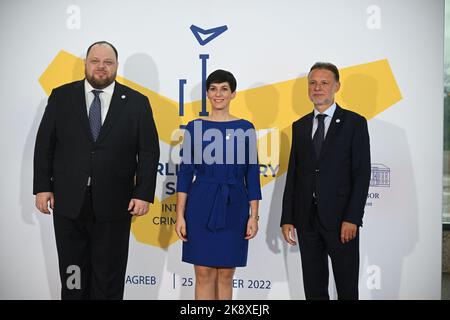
{"points": [[218, 213]]}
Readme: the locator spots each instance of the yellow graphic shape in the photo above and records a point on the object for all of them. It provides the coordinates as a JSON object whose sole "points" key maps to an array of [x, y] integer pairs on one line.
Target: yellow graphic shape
{"points": [[367, 89], [157, 227], [64, 68]]}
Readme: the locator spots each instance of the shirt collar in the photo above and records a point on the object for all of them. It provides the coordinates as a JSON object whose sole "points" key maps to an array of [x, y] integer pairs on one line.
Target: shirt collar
{"points": [[329, 112], [108, 90]]}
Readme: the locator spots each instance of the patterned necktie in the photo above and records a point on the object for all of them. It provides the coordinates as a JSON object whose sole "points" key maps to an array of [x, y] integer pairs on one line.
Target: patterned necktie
{"points": [[319, 135], [95, 114]]}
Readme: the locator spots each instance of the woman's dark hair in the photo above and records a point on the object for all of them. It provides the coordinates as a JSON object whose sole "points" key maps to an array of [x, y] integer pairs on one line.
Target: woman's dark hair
{"points": [[220, 76]]}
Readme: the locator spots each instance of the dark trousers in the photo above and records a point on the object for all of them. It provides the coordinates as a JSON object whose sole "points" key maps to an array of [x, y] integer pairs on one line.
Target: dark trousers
{"points": [[92, 255], [316, 244]]}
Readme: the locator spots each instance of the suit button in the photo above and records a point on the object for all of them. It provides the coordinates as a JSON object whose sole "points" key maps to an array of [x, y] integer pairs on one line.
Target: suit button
{"points": [[317, 170], [92, 152]]}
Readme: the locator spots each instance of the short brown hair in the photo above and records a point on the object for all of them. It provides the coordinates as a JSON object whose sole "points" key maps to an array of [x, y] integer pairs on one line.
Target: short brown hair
{"points": [[328, 66]]}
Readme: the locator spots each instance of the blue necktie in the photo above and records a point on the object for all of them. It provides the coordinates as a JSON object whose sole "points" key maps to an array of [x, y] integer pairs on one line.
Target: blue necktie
{"points": [[95, 114], [319, 135]]}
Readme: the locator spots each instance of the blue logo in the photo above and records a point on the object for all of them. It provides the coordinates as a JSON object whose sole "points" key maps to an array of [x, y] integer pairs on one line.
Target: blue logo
{"points": [[212, 33], [381, 175]]}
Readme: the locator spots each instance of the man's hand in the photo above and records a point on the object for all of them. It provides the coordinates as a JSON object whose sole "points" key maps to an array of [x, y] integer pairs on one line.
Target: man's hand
{"points": [[288, 231], [138, 207], [42, 201], [348, 231]]}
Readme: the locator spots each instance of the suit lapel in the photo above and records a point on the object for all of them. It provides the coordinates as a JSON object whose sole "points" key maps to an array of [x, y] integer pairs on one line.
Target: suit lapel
{"points": [[79, 100], [118, 101], [308, 134], [335, 124]]}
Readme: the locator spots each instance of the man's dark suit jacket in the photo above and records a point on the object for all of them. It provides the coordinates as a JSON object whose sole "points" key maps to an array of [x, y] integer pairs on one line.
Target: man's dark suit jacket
{"points": [[342, 172], [122, 163]]}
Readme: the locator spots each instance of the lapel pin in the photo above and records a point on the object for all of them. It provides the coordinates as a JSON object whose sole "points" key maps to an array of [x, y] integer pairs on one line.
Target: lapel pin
{"points": [[338, 120], [123, 96]]}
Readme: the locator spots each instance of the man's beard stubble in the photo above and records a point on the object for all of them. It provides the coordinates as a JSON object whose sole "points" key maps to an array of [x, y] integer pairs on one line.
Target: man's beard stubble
{"points": [[100, 84]]}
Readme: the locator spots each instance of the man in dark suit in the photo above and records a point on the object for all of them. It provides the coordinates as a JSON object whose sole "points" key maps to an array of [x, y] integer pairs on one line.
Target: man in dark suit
{"points": [[326, 188], [95, 165]]}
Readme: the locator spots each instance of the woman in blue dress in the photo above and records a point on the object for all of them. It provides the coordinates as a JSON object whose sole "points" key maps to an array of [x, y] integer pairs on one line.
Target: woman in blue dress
{"points": [[218, 191]]}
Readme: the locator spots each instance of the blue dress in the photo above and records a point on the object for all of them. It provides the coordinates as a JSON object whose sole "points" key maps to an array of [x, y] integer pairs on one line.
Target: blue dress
{"points": [[220, 176]]}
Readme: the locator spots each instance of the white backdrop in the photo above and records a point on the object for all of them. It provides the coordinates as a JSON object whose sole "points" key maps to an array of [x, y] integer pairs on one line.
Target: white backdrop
{"points": [[269, 45]]}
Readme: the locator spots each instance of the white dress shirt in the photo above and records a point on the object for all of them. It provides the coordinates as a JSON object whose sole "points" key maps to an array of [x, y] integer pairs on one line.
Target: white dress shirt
{"points": [[105, 97], [329, 112], [105, 101]]}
